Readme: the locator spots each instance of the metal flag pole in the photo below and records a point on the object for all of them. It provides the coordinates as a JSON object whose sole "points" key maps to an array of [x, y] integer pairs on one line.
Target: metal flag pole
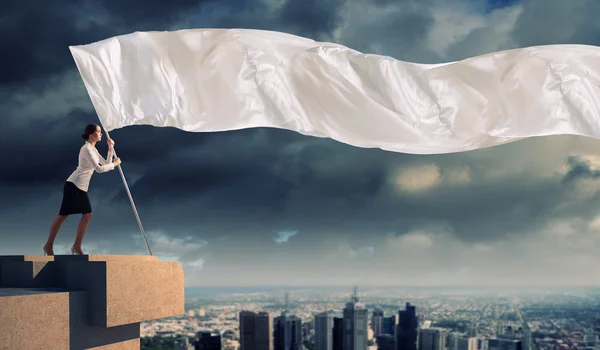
{"points": [[130, 197]]}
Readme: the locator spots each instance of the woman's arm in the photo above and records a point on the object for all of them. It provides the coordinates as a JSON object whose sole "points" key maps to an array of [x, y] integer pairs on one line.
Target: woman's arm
{"points": [[100, 164], [110, 155]]}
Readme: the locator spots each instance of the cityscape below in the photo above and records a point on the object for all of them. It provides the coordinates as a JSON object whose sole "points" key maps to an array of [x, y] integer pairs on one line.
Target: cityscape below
{"points": [[381, 318]]}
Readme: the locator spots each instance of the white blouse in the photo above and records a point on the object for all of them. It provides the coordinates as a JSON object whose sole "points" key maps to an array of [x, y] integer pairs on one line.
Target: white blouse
{"points": [[90, 160]]}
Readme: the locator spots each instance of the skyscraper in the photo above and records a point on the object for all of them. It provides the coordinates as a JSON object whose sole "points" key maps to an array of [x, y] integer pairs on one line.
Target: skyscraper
{"points": [[386, 342], [527, 338], [452, 341], [338, 333], [389, 325], [432, 339], [356, 331], [208, 341], [288, 332], [247, 330], [472, 332], [499, 328], [256, 331], [407, 329], [264, 331], [464, 343], [323, 332], [377, 322]]}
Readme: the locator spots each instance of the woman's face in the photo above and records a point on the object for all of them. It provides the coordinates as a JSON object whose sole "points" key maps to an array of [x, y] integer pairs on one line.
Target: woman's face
{"points": [[97, 136]]}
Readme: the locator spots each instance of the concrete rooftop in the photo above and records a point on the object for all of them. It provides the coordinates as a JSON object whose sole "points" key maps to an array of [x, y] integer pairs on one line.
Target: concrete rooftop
{"points": [[84, 302]]}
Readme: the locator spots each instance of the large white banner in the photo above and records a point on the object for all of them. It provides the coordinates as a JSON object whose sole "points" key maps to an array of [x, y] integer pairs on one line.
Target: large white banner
{"points": [[206, 80]]}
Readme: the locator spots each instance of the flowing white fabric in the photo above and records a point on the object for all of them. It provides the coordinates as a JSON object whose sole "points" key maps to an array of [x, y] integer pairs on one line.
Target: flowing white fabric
{"points": [[205, 80]]}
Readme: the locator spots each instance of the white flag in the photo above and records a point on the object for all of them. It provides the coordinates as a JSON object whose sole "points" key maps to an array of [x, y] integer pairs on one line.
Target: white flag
{"points": [[205, 80]]}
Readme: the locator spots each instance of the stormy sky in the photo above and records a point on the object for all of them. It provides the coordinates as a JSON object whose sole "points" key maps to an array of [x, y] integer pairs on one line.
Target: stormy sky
{"points": [[272, 207]]}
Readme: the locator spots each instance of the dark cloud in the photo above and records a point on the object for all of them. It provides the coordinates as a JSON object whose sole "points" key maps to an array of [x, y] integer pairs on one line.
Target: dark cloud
{"points": [[579, 168], [399, 30], [498, 4], [263, 174], [46, 151], [36, 39], [311, 18], [558, 22], [150, 12], [353, 194]]}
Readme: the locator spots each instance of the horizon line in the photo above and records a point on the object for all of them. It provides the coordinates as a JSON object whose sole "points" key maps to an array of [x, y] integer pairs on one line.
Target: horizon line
{"points": [[394, 286]]}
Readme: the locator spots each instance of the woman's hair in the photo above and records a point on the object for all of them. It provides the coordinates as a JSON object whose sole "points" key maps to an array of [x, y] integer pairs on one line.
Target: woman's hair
{"points": [[89, 129]]}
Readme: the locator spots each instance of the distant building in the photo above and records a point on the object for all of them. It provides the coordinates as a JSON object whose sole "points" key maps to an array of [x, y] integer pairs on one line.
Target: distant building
{"points": [[467, 343], [338, 333], [509, 332], [308, 330], [377, 322], [452, 341], [504, 344], [527, 339], [407, 329], [288, 332], [385, 342], [323, 332], [228, 334], [433, 339], [389, 325], [247, 330], [589, 337], [256, 331], [499, 326], [356, 329], [183, 343], [208, 341], [472, 332], [264, 331]]}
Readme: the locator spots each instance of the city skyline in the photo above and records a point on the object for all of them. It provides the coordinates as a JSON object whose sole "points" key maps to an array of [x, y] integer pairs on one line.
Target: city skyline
{"points": [[271, 207], [536, 321]]}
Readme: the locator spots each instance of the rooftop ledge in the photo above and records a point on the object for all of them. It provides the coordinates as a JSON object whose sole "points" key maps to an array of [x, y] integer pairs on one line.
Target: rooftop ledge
{"points": [[84, 302]]}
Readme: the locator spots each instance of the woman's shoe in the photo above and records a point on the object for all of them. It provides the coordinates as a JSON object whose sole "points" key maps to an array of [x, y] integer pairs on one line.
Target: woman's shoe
{"points": [[76, 251]]}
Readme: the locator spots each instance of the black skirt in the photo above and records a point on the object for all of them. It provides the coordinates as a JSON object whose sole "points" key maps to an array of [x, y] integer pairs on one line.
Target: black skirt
{"points": [[75, 201]]}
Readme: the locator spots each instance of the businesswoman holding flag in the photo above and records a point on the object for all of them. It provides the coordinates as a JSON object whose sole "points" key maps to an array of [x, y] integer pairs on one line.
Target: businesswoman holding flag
{"points": [[75, 198]]}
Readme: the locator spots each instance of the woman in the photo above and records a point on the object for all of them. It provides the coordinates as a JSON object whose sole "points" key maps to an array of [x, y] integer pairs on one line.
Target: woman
{"points": [[75, 199]]}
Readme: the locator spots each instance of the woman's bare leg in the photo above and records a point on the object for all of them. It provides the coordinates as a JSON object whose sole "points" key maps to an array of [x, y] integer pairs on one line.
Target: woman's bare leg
{"points": [[56, 224], [83, 225]]}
